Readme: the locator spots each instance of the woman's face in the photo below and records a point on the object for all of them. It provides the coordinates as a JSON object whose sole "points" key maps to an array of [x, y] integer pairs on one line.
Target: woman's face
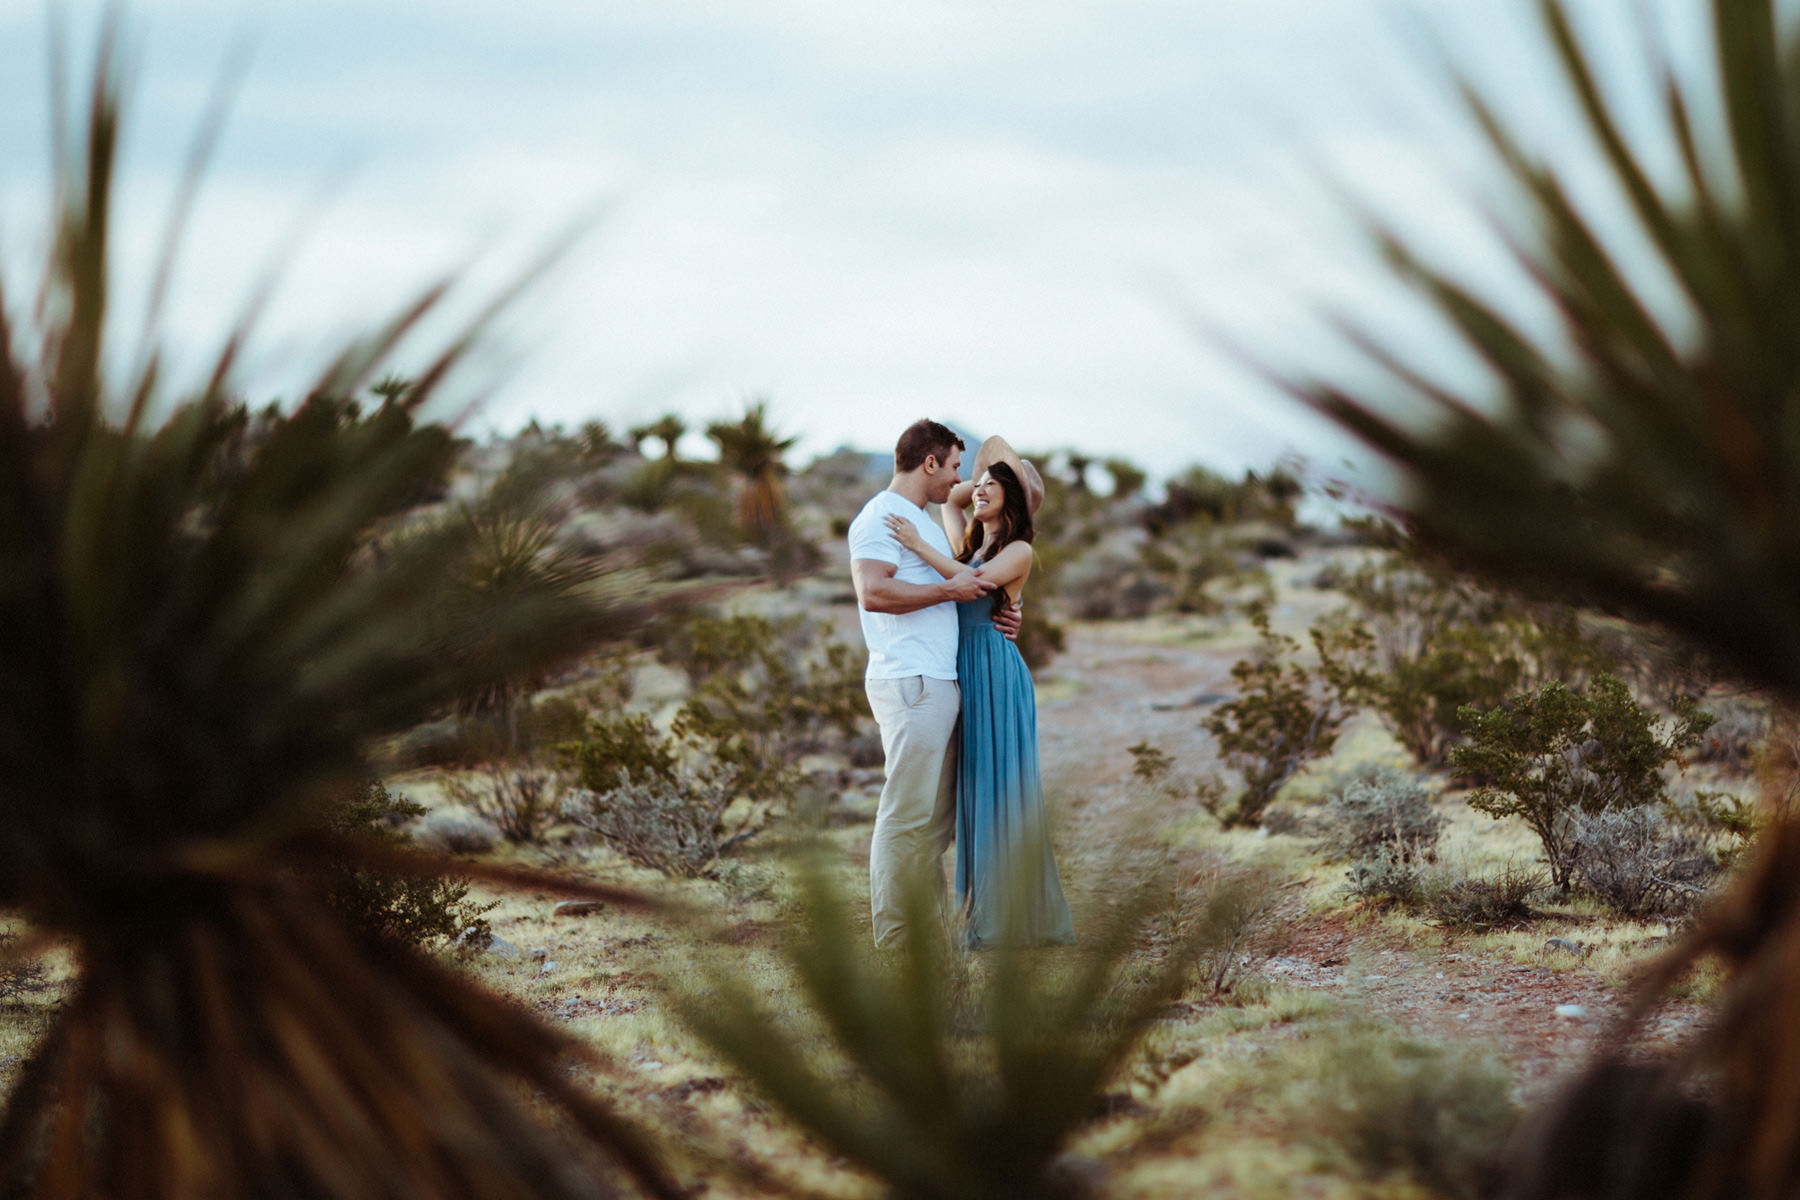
{"points": [[989, 496]]}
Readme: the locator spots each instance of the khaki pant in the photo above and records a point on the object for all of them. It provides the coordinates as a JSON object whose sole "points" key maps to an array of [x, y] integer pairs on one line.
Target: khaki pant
{"points": [[917, 815]]}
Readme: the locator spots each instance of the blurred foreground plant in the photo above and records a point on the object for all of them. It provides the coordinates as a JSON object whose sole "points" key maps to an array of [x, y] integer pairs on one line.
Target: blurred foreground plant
{"points": [[204, 623], [1644, 458], [948, 1102]]}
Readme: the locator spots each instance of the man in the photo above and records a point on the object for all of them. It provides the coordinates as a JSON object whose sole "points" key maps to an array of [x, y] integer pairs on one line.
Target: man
{"points": [[909, 624]]}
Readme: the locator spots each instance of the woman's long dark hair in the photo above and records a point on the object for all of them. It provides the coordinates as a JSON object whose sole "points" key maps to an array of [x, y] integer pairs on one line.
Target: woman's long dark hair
{"points": [[1015, 521]]}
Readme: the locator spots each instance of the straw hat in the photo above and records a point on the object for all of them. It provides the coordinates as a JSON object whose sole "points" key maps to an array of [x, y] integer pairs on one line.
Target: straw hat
{"points": [[996, 449]]}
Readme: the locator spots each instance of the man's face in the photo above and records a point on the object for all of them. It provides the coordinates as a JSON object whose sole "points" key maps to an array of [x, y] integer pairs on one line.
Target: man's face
{"points": [[945, 477]]}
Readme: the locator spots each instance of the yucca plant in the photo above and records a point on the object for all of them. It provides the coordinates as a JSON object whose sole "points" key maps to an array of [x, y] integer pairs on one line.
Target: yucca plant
{"points": [[1646, 459], [939, 1087], [205, 621], [750, 448]]}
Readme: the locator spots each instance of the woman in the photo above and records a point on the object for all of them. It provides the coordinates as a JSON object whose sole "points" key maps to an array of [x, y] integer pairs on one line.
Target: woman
{"points": [[1005, 873]]}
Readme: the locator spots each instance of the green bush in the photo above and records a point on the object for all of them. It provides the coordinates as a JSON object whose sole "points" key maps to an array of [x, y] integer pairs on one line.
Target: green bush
{"points": [[1423, 642], [671, 822], [614, 748], [1437, 1115], [1379, 812], [1477, 905], [1639, 864], [1553, 753], [1277, 724], [415, 909], [765, 693]]}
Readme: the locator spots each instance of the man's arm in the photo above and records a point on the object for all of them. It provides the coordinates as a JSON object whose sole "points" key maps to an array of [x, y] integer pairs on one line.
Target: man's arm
{"points": [[879, 592]]}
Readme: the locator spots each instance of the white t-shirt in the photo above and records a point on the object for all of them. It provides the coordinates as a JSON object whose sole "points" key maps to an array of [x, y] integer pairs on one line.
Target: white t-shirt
{"points": [[902, 645]]}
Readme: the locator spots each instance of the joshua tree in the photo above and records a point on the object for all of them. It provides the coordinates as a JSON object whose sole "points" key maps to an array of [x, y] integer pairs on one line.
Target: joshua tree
{"points": [[1656, 472], [1078, 468], [751, 449], [667, 429], [1128, 478], [202, 635]]}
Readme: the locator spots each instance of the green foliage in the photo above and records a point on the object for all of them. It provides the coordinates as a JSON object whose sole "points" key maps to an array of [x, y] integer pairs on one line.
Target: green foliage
{"points": [[1230, 912], [521, 796], [750, 448], [1436, 1115], [1483, 903], [1637, 453], [1150, 764], [414, 909], [1276, 725], [673, 822], [1128, 479], [947, 1077], [1425, 642], [1380, 812], [214, 618], [1639, 864], [1040, 639], [765, 692], [613, 748], [1553, 753]]}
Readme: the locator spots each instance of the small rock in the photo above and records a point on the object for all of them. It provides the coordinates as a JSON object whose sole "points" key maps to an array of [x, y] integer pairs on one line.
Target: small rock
{"points": [[549, 966], [1564, 945], [653, 1065], [472, 939], [539, 953], [1573, 1012], [578, 908]]}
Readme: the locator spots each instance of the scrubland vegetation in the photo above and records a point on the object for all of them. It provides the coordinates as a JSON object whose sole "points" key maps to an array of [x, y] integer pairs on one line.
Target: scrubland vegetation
{"points": [[395, 815]]}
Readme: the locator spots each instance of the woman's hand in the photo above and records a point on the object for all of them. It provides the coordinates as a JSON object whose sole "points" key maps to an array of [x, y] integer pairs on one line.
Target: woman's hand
{"points": [[905, 532], [961, 494]]}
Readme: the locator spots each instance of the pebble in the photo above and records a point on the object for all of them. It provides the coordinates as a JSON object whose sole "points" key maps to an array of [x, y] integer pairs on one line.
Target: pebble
{"points": [[1573, 1012]]}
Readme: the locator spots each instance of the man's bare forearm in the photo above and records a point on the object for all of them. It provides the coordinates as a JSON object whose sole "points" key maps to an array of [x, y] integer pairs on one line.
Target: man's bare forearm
{"points": [[896, 598]]}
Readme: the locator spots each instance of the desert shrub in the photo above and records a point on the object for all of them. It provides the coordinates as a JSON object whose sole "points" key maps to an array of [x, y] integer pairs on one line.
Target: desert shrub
{"points": [[520, 796], [612, 748], [415, 909], [1231, 911], [765, 693], [1736, 735], [1150, 765], [1421, 643], [1498, 901], [1277, 724], [1185, 563], [672, 823], [1385, 878], [1437, 1115], [1553, 753], [1639, 864], [1109, 584], [1040, 639], [991, 1067], [1381, 811]]}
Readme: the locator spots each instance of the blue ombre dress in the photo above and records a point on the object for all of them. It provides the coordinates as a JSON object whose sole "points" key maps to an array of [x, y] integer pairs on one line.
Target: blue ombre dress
{"points": [[1002, 831]]}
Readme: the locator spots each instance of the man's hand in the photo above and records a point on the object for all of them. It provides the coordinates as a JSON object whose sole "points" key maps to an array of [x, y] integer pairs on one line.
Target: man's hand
{"points": [[967, 585], [1008, 618]]}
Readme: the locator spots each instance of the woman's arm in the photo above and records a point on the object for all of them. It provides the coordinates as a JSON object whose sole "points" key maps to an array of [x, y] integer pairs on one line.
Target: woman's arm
{"points": [[1010, 568], [908, 535], [956, 511]]}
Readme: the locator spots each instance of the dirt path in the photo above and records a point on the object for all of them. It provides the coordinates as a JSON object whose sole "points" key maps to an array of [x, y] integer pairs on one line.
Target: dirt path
{"points": [[1118, 685]]}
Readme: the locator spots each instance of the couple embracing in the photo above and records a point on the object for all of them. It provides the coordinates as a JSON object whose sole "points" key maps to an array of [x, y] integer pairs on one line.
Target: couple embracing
{"points": [[939, 612]]}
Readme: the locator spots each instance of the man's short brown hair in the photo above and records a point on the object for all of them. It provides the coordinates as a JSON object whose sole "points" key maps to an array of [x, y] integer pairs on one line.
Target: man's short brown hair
{"points": [[921, 440]]}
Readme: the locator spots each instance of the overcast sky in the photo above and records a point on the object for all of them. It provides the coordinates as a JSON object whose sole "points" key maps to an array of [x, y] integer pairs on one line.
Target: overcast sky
{"points": [[1001, 213]]}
